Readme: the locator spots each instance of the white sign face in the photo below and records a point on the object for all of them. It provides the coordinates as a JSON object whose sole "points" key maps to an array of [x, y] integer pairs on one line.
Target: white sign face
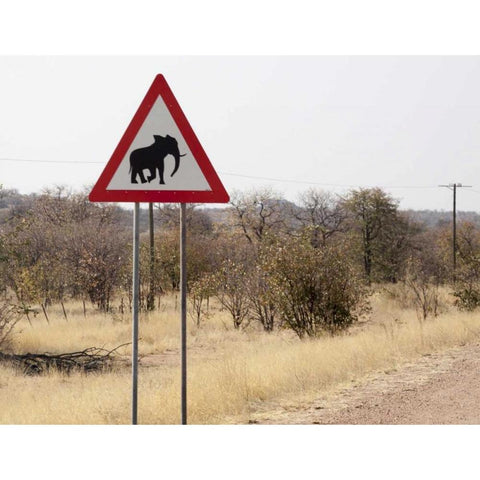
{"points": [[159, 123]]}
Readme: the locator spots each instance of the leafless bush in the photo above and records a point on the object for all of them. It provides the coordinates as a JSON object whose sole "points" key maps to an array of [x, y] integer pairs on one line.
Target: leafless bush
{"points": [[9, 316], [424, 289]]}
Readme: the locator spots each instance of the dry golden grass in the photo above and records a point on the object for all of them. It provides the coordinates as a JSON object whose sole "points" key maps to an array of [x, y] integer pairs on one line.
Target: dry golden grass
{"points": [[229, 371]]}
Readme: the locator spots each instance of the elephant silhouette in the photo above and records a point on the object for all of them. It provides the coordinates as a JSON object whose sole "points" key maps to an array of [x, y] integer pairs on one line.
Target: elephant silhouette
{"points": [[152, 158]]}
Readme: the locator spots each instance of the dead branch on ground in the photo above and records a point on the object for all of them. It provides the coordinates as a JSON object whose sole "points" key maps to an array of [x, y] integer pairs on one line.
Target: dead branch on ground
{"points": [[93, 359]]}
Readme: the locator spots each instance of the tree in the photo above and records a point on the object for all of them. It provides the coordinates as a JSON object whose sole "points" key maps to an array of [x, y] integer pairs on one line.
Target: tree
{"points": [[467, 281], [258, 213], [63, 245], [322, 213], [372, 212], [427, 251], [99, 268], [396, 243]]}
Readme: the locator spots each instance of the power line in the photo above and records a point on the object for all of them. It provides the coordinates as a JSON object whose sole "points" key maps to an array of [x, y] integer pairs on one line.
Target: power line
{"points": [[46, 161], [254, 177], [323, 184]]}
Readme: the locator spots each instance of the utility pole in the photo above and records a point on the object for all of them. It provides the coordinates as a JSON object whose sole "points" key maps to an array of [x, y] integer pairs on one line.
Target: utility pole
{"points": [[453, 187]]}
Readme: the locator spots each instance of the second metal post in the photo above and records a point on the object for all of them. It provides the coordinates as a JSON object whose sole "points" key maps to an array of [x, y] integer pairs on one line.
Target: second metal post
{"points": [[135, 287], [183, 309]]}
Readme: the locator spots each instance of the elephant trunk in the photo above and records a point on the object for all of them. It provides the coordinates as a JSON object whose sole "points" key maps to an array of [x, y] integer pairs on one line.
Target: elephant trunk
{"points": [[177, 163]]}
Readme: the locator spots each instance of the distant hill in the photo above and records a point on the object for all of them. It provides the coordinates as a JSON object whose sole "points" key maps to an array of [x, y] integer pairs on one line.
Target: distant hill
{"points": [[435, 218], [12, 199]]}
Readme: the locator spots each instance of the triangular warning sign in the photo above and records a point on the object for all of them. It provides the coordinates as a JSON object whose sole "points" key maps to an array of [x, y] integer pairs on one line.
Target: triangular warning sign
{"points": [[159, 158]]}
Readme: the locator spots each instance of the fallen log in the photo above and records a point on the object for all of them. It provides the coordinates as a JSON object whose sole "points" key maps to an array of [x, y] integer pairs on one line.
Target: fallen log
{"points": [[92, 359]]}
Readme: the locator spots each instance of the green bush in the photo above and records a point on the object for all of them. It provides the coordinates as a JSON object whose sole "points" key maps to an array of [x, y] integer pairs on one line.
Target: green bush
{"points": [[315, 289]]}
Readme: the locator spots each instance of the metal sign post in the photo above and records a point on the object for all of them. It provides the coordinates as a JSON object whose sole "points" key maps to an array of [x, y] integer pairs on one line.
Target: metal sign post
{"points": [[183, 309], [136, 282], [160, 119]]}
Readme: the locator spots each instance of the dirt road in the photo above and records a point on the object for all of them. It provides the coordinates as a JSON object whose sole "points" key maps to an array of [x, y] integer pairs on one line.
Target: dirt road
{"points": [[442, 388]]}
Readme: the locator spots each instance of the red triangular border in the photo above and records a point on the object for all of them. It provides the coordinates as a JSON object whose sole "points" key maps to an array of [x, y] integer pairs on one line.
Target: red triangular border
{"points": [[217, 194]]}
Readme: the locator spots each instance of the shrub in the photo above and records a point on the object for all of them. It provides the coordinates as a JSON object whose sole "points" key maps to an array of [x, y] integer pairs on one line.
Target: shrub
{"points": [[315, 289], [467, 299], [263, 307], [231, 290], [200, 292]]}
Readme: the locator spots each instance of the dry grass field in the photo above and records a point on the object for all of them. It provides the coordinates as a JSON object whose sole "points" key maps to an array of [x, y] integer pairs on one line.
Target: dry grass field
{"points": [[230, 372]]}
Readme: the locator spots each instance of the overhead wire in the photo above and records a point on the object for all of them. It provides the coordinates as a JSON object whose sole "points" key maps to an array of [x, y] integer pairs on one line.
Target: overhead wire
{"points": [[255, 177], [46, 161]]}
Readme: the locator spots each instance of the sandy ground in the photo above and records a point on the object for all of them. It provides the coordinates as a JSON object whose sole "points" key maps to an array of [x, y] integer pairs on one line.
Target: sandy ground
{"points": [[442, 388]]}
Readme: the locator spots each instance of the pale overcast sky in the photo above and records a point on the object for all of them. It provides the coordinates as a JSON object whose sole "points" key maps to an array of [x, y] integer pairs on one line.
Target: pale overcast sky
{"points": [[404, 123]]}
